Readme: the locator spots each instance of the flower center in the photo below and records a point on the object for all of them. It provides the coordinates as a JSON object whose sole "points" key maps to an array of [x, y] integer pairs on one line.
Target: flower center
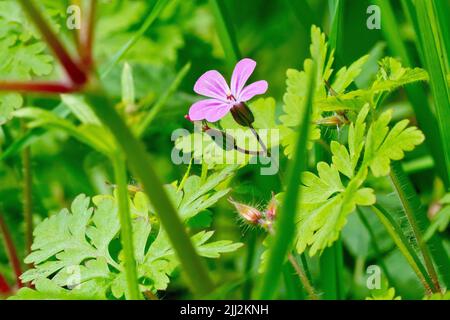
{"points": [[230, 97]]}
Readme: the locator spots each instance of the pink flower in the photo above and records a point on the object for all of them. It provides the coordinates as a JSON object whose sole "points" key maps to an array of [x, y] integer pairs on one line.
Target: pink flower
{"points": [[222, 97]]}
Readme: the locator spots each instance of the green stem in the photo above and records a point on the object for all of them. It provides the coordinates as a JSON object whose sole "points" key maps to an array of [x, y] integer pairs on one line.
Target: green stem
{"points": [[286, 219], [141, 166], [27, 195], [250, 257], [376, 248], [303, 278], [226, 31], [417, 218], [330, 276], [331, 259], [120, 173], [404, 246], [294, 290]]}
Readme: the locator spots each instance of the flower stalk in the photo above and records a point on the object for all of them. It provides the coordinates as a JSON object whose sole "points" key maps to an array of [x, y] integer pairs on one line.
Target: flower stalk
{"points": [[11, 251]]}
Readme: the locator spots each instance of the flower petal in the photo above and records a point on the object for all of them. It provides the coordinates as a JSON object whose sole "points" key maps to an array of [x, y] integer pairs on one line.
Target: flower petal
{"points": [[212, 84], [258, 87], [211, 109], [241, 73]]}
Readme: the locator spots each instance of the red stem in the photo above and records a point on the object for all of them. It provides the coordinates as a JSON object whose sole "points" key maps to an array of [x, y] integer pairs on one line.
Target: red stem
{"points": [[87, 35], [12, 252], [41, 87], [74, 71], [4, 286]]}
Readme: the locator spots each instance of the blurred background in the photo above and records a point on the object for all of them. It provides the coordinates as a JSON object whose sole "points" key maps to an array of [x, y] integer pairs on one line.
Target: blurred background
{"points": [[274, 34]]}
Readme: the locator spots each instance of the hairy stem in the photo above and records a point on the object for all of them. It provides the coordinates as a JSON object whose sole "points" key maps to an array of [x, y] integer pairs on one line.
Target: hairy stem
{"points": [[417, 218], [303, 278], [120, 174], [405, 247]]}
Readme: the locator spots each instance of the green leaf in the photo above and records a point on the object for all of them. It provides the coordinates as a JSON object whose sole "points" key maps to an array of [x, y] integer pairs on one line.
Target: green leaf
{"points": [[384, 145], [346, 76], [325, 206], [72, 248], [327, 201], [322, 102], [23, 55], [392, 75], [213, 249]]}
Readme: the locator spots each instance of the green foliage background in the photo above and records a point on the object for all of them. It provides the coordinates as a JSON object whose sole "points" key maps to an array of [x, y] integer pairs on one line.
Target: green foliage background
{"points": [[278, 37]]}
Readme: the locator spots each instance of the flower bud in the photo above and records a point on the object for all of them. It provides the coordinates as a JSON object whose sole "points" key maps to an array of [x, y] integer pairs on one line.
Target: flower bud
{"points": [[242, 114], [271, 209], [250, 214]]}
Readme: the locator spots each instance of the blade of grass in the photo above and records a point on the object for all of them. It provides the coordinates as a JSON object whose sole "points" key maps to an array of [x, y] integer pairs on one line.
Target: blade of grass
{"points": [[415, 92], [304, 13], [285, 224], [336, 35], [120, 174], [141, 166], [226, 32], [417, 218], [435, 61], [404, 246], [152, 16], [441, 10], [147, 121]]}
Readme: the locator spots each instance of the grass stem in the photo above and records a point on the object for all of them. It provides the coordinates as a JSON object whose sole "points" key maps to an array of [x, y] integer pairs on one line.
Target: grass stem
{"points": [[120, 174], [286, 219]]}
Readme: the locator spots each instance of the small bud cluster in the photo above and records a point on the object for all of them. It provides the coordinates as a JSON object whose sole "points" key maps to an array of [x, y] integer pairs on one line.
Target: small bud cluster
{"points": [[256, 217]]}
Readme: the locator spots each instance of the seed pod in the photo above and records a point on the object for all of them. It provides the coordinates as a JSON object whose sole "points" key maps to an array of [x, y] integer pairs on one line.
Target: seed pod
{"points": [[242, 114], [250, 214]]}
